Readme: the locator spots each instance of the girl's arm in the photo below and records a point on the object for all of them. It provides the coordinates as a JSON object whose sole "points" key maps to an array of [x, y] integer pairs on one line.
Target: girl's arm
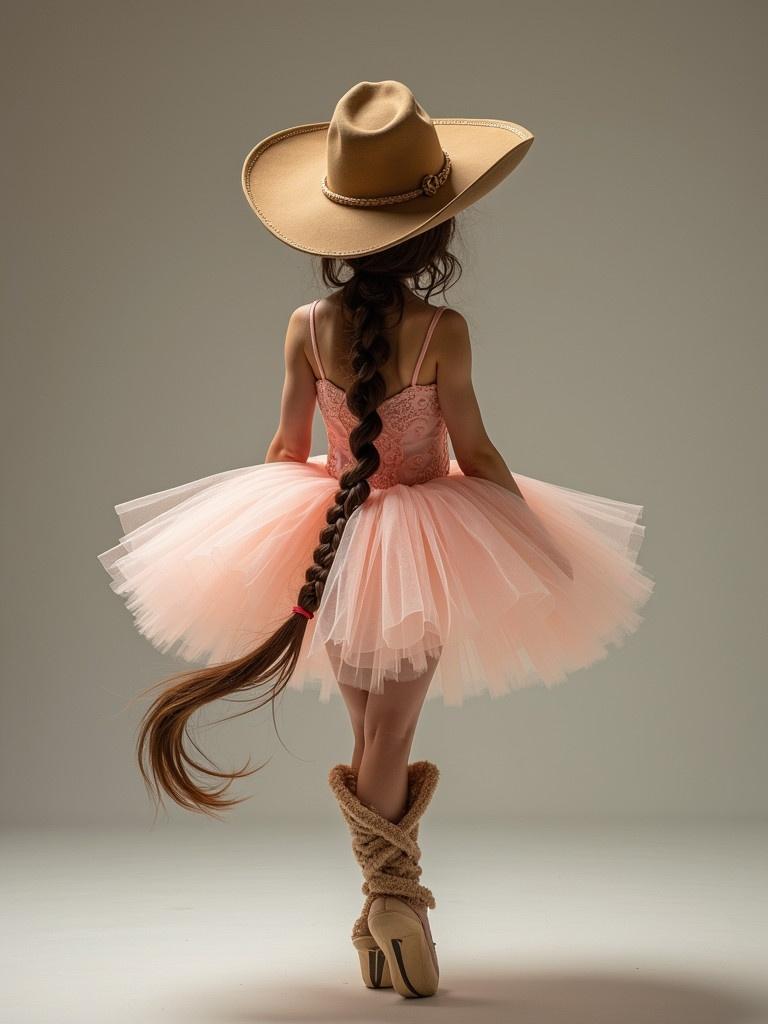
{"points": [[293, 440], [475, 452]]}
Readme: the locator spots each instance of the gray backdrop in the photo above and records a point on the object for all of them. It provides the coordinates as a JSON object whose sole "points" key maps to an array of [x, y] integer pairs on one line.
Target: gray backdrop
{"points": [[615, 290]]}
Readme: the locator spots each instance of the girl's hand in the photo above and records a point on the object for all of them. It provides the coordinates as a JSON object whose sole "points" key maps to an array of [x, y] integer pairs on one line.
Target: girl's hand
{"points": [[542, 538], [562, 563], [555, 554]]}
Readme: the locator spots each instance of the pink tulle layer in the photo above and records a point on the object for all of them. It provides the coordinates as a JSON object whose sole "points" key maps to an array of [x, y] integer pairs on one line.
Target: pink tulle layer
{"points": [[450, 571]]}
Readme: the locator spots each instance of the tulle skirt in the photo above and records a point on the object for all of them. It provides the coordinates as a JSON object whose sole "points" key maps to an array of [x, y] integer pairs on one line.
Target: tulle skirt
{"points": [[447, 575]]}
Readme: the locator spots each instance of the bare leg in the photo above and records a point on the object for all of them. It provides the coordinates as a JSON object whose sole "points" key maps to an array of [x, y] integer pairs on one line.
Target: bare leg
{"points": [[389, 726], [356, 700], [384, 725]]}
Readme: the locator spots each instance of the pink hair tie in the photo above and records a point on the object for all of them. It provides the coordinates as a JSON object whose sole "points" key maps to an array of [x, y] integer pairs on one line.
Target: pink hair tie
{"points": [[303, 611]]}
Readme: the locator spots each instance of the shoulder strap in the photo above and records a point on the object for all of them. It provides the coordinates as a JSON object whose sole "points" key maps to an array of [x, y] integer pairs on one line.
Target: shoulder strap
{"points": [[318, 360], [430, 329]]}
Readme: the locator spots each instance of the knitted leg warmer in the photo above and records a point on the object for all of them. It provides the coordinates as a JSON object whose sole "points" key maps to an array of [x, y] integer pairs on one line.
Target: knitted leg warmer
{"points": [[388, 852]]}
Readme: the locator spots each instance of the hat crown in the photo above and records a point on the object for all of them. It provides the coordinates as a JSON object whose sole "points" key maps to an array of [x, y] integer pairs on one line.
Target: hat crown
{"points": [[380, 141]]}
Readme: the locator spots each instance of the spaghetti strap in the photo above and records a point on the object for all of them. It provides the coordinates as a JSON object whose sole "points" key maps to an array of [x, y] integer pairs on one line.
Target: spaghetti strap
{"points": [[423, 352], [315, 349]]}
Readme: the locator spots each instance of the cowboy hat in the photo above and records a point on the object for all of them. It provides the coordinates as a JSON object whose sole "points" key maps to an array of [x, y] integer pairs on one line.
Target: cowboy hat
{"points": [[379, 172]]}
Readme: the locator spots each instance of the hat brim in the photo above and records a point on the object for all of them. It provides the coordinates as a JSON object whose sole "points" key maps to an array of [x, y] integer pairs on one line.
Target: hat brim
{"points": [[281, 179]]}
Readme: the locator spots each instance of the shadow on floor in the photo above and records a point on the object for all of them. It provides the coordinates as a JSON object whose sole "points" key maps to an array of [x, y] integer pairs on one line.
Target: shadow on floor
{"points": [[524, 997]]}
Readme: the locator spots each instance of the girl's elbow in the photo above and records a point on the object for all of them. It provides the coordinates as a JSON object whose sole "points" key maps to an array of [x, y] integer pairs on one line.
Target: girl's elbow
{"points": [[476, 463]]}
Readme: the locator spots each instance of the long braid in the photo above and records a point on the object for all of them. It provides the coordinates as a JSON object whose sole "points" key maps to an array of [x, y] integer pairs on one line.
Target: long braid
{"points": [[369, 298], [369, 352]]}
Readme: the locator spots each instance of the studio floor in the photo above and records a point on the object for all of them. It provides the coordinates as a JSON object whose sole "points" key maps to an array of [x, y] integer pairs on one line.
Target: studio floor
{"points": [[620, 924]]}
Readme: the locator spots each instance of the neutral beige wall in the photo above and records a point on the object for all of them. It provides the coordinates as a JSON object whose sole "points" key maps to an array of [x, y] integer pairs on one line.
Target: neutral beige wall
{"points": [[615, 288]]}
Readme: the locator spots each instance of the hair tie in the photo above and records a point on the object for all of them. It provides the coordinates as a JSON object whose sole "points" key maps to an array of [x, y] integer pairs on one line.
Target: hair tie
{"points": [[303, 611]]}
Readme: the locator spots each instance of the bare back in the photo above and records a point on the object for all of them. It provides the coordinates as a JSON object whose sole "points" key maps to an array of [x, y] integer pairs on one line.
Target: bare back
{"points": [[406, 342], [436, 348]]}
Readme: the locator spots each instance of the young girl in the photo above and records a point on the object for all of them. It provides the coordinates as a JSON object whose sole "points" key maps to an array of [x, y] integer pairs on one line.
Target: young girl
{"points": [[383, 571]]}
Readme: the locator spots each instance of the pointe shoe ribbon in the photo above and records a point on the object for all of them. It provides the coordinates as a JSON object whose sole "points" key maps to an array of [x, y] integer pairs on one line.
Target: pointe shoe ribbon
{"points": [[387, 852]]}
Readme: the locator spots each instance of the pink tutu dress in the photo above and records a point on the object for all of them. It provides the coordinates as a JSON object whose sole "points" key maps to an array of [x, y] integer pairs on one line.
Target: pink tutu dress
{"points": [[435, 564]]}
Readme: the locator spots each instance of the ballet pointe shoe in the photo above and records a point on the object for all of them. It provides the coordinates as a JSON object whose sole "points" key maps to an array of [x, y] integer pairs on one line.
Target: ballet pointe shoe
{"points": [[373, 964], [389, 854], [400, 934]]}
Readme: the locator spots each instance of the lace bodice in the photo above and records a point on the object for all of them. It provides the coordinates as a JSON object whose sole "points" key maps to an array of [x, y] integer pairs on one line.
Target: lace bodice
{"points": [[413, 443]]}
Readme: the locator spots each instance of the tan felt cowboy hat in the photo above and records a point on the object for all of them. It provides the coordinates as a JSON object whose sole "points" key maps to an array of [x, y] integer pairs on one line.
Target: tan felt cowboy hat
{"points": [[380, 171]]}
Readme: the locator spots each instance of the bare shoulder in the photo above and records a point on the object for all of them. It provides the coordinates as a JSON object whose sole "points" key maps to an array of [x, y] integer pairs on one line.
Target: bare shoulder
{"points": [[299, 318], [451, 336], [452, 322], [299, 327], [297, 333]]}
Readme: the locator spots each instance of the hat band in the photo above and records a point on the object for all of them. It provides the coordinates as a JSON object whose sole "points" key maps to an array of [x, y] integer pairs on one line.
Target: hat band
{"points": [[430, 183]]}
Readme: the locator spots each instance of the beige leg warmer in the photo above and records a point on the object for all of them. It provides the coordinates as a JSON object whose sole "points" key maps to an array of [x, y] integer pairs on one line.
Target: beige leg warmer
{"points": [[387, 852]]}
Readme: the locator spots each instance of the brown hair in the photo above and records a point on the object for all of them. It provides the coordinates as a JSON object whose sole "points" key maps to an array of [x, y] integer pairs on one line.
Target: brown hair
{"points": [[369, 297]]}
